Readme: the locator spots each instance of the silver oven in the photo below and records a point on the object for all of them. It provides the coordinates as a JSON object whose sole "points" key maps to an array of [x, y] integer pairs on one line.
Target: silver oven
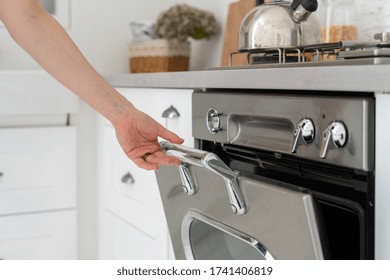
{"points": [[273, 175]]}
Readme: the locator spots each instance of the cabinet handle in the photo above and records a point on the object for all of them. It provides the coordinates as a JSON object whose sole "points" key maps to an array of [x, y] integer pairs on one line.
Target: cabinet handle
{"points": [[1, 174], [171, 113], [128, 179]]}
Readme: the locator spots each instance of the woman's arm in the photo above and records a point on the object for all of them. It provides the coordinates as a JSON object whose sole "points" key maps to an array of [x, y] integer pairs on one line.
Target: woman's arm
{"points": [[40, 35]]}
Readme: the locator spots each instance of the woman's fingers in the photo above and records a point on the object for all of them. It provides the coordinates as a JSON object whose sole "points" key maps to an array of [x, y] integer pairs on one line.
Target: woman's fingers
{"points": [[152, 161], [161, 158], [145, 165], [170, 136]]}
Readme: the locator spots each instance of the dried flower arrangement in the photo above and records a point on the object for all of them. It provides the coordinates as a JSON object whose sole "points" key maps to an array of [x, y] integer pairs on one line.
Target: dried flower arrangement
{"points": [[182, 21]]}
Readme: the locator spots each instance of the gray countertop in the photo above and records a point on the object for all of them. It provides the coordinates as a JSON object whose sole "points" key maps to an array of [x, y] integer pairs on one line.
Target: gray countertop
{"points": [[360, 78]]}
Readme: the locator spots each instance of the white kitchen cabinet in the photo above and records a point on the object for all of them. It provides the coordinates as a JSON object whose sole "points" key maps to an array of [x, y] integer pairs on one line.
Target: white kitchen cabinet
{"points": [[122, 240], [130, 216], [132, 224], [37, 169], [155, 102], [50, 235], [34, 94], [131, 192], [38, 193]]}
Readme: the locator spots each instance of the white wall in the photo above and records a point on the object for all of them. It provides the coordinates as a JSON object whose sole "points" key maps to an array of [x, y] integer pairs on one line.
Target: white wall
{"points": [[115, 31], [100, 29], [373, 17]]}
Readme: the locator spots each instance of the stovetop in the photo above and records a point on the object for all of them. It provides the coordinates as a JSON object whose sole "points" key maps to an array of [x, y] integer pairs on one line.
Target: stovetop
{"points": [[356, 61], [325, 54]]}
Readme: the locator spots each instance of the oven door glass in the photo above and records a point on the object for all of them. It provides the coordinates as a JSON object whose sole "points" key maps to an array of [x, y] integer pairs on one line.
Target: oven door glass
{"points": [[207, 239]]}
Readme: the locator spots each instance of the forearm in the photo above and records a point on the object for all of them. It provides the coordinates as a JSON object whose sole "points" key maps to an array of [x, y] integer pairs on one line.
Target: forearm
{"points": [[48, 43]]}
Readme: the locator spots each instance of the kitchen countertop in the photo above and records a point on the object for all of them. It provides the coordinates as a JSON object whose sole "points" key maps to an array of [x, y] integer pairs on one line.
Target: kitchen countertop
{"points": [[361, 78]]}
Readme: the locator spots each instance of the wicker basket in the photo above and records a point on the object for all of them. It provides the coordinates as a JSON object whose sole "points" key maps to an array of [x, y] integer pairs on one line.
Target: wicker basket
{"points": [[159, 56]]}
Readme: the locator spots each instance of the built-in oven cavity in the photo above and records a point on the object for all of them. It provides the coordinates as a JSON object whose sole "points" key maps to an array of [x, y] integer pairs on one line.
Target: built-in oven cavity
{"points": [[207, 239], [343, 226], [343, 197]]}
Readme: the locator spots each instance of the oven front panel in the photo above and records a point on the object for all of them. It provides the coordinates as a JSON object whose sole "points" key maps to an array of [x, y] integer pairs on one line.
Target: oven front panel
{"points": [[270, 122]]}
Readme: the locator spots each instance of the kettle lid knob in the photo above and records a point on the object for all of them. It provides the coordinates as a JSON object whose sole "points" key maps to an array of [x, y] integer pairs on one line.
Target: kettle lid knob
{"points": [[308, 5]]}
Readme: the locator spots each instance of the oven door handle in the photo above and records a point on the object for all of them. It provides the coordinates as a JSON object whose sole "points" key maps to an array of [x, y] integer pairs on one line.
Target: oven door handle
{"points": [[209, 161]]}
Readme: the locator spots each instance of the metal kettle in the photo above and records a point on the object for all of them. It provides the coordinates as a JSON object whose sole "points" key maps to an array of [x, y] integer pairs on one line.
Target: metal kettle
{"points": [[280, 24]]}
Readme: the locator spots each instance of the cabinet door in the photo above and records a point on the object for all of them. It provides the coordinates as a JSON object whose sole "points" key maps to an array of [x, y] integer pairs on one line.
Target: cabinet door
{"points": [[131, 219], [131, 192], [143, 99], [156, 102], [122, 240], [44, 236], [37, 169], [133, 224]]}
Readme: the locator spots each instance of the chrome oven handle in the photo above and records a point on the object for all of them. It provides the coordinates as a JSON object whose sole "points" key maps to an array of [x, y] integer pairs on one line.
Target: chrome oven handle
{"points": [[189, 183], [211, 162]]}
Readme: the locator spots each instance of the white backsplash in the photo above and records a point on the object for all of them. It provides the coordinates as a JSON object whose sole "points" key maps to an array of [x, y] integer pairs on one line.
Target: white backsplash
{"points": [[374, 17]]}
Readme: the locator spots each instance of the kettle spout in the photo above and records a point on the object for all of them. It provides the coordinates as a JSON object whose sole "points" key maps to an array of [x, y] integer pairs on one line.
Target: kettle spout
{"points": [[302, 9]]}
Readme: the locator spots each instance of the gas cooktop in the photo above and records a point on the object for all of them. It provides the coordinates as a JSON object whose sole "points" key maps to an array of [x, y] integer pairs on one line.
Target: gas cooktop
{"points": [[326, 54]]}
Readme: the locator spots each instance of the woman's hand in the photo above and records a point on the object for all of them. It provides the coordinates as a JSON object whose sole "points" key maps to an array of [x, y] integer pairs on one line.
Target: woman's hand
{"points": [[138, 134]]}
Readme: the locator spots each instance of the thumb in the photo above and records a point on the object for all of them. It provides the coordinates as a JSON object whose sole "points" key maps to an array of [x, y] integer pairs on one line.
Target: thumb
{"points": [[170, 136]]}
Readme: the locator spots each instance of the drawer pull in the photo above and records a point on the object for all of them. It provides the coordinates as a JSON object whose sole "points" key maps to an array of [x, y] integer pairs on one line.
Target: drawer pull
{"points": [[170, 113], [128, 179]]}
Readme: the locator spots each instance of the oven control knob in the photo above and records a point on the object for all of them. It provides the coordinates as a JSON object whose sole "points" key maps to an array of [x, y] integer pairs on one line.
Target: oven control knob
{"points": [[334, 137], [304, 133], [213, 120]]}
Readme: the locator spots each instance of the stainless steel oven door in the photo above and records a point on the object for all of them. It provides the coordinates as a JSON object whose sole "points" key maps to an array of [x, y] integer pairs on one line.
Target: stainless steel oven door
{"points": [[275, 222]]}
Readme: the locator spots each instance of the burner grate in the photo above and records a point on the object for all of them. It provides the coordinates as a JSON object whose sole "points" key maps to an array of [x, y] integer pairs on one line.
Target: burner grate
{"points": [[310, 53]]}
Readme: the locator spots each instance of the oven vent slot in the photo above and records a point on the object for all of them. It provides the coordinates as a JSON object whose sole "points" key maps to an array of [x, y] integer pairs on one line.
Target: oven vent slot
{"points": [[241, 153], [259, 157], [246, 159]]}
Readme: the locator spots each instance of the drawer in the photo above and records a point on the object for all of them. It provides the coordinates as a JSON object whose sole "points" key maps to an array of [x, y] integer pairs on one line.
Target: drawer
{"points": [[156, 101], [43, 236], [131, 192], [37, 169], [121, 240], [181, 101]]}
